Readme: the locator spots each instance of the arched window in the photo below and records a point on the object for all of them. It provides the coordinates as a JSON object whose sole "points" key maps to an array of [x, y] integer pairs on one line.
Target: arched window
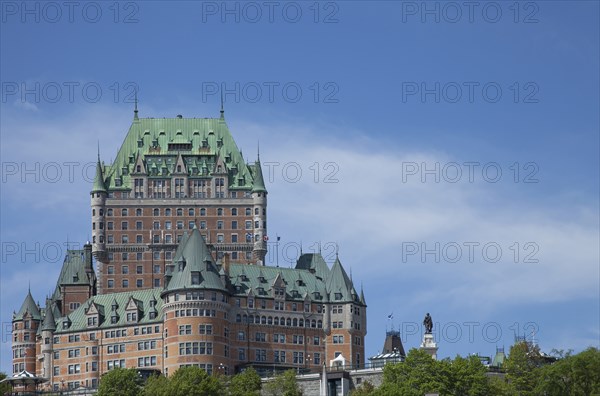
{"points": [[276, 322], [256, 211], [234, 211], [295, 322], [93, 212], [319, 324], [156, 212], [288, 322]]}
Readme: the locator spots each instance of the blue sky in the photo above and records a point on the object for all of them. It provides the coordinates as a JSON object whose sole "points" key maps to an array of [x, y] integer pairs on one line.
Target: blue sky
{"points": [[457, 148]]}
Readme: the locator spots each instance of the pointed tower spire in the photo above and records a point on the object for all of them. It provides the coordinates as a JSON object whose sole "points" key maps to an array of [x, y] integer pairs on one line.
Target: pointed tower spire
{"points": [[99, 185], [222, 108], [135, 110]]}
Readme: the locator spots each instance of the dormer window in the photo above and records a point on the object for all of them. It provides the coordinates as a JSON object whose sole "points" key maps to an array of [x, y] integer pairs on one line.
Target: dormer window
{"points": [[195, 278], [338, 296], [92, 321], [301, 282], [244, 278], [132, 316]]}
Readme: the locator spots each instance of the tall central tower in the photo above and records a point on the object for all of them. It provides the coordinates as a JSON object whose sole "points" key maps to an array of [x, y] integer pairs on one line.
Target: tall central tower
{"points": [[171, 175]]}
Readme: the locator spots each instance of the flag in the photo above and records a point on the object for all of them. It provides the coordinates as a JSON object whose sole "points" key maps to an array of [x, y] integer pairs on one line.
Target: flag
{"points": [[278, 238], [265, 238], [391, 316]]}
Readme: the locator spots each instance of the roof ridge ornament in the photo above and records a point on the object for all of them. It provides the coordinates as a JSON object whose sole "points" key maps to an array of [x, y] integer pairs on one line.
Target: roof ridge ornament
{"points": [[135, 109]]}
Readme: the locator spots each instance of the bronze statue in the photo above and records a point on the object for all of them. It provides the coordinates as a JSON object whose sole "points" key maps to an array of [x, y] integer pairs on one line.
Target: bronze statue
{"points": [[428, 323]]}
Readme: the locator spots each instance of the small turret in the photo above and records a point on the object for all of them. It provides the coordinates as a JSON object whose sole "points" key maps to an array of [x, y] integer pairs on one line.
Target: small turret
{"points": [[98, 204], [25, 325], [259, 197]]}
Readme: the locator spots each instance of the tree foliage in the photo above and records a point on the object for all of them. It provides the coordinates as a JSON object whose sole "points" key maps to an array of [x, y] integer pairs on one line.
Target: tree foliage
{"points": [[284, 384], [527, 372], [120, 382], [246, 383], [365, 389], [5, 386], [193, 381]]}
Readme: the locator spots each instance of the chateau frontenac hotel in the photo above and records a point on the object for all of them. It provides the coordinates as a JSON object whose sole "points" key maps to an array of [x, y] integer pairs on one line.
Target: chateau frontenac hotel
{"points": [[175, 273]]}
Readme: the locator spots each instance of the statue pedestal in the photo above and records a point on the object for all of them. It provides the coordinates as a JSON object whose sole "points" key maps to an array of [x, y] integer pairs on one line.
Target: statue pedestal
{"points": [[429, 345]]}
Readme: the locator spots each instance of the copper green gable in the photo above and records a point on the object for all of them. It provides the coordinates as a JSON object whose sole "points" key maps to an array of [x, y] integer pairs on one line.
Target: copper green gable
{"points": [[29, 306], [73, 272], [314, 263], [78, 318], [339, 285], [159, 142], [194, 258]]}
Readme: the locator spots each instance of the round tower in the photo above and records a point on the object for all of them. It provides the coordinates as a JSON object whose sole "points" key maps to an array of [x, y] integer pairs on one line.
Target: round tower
{"points": [[195, 312], [25, 325], [98, 203], [259, 198], [98, 197], [47, 341]]}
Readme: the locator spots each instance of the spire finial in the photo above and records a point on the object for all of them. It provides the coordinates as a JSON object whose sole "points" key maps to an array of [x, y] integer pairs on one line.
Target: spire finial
{"points": [[29, 287], [98, 150], [258, 150], [222, 108], [135, 110]]}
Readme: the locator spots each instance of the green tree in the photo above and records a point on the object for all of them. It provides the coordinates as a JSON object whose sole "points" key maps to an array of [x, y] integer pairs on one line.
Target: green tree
{"points": [[365, 389], [468, 377], [156, 385], [417, 375], [571, 375], [5, 386], [522, 367], [193, 381], [120, 382], [284, 384], [246, 383]]}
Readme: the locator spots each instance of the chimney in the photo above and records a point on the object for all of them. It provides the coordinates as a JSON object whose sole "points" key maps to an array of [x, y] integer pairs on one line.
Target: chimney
{"points": [[87, 257], [226, 263]]}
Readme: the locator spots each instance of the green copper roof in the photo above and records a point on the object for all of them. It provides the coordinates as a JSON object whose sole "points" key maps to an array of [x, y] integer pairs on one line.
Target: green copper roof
{"points": [[142, 298], [338, 282], [72, 272], [194, 257], [299, 283], [314, 263], [98, 179], [49, 322], [259, 182], [29, 306], [159, 141]]}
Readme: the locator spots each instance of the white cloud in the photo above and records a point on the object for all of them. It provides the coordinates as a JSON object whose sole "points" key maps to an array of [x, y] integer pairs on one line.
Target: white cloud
{"points": [[369, 213]]}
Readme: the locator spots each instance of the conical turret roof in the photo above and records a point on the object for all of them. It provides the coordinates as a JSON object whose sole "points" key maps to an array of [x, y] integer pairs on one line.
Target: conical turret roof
{"points": [[29, 306]]}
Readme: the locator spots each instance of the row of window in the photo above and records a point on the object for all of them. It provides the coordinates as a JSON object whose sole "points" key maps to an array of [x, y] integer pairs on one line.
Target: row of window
{"points": [[276, 321], [195, 348], [139, 283], [204, 329], [195, 312], [179, 212]]}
